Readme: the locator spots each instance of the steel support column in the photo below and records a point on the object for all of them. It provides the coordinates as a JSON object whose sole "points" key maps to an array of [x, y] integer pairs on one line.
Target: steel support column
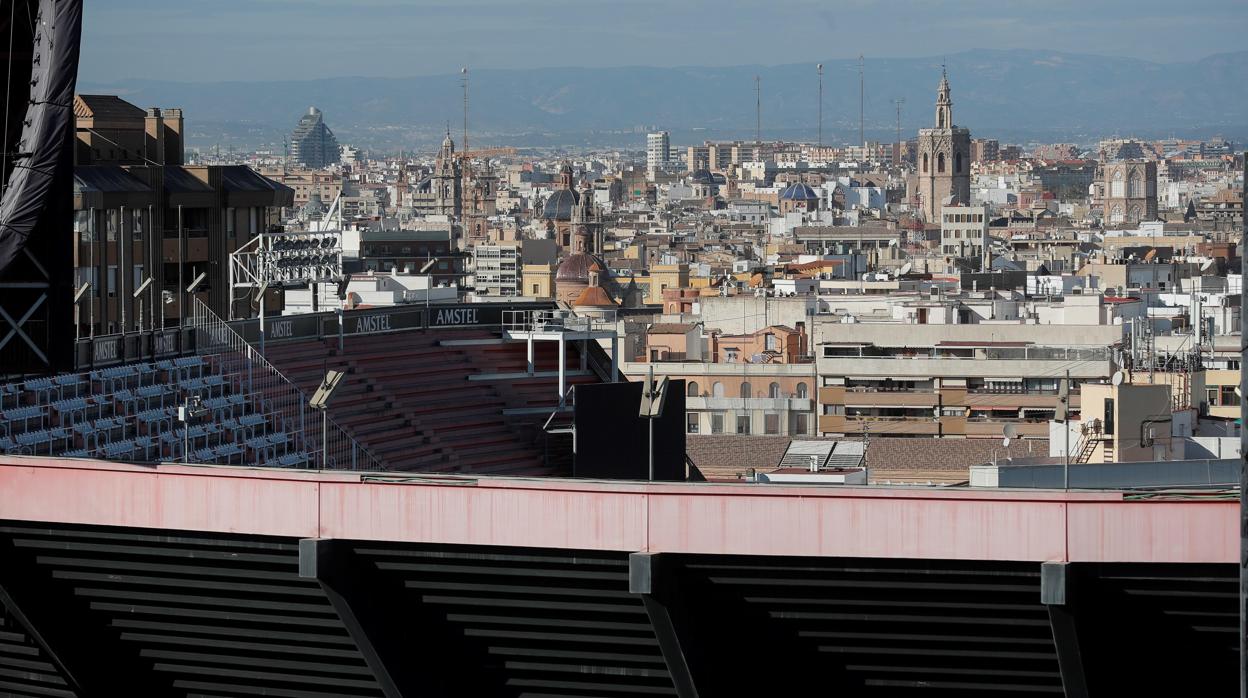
{"points": [[353, 592], [655, 583], [1055, 593]]}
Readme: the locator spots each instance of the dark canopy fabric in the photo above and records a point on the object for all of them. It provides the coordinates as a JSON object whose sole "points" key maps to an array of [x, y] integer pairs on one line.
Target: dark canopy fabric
{"points": [[47, 127]]}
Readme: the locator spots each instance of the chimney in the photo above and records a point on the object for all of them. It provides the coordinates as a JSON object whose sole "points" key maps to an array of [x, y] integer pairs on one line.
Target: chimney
{"points": [[154, 137], [173, 137]]}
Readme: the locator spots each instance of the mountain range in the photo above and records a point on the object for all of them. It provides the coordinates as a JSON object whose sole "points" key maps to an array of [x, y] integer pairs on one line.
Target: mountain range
{"points": [[1011, 94]]}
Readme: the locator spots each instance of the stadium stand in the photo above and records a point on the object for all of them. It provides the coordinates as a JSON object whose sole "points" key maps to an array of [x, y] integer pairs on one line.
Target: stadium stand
{"points": [[445, 400], [130, 412]]}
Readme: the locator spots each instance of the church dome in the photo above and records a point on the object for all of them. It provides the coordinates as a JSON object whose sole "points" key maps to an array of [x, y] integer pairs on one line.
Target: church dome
{"points": [[593, 297], [560, 204], [702, 177], [577, 267], [798, 191]]}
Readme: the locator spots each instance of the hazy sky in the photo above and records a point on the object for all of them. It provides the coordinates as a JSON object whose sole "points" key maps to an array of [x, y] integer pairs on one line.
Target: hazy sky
{"points": [[208, 40]]}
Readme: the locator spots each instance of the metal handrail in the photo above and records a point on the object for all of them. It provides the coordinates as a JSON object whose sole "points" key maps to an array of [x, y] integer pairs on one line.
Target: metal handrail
{"points": [[317, 434]]}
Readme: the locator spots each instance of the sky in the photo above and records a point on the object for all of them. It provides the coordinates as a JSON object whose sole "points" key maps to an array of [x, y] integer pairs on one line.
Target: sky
{"points": [[227, 40]]}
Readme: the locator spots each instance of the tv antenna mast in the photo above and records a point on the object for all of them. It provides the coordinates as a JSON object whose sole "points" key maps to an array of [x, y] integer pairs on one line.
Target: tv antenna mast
{"points": [[862, 94], [819, 68], [758, 114], [897, 103]]}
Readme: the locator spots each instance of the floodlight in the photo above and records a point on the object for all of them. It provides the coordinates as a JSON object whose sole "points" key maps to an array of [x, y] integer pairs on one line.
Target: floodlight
{"points": [[320, 399], [142, 287], [195, 284], [86, 286]]}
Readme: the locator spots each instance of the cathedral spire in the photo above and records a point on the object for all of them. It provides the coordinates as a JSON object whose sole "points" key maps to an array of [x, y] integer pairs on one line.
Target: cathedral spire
{"points": [[944, 105]]}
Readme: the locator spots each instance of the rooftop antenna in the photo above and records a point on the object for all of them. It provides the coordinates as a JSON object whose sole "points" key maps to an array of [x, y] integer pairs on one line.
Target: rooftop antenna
{"points": [[862, 93], [463, 72], [897, 103], [819, 68], [758, 114]]}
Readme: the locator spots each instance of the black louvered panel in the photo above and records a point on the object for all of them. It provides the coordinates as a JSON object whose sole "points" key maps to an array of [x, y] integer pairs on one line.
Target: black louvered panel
{"points": [[877, 627], [25, 670], [534, 622], [210, 615], [1151, 629]]}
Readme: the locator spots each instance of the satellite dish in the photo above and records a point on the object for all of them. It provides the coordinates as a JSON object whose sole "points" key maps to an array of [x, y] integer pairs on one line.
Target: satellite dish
{"points": [[1206, 264], [1118, 377], [1011, 431], [905, 269]]}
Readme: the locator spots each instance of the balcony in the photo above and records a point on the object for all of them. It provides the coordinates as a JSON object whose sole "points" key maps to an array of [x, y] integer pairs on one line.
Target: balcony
{"points": [[901, 398], [926, 367], [984, 427], [766, 404]]}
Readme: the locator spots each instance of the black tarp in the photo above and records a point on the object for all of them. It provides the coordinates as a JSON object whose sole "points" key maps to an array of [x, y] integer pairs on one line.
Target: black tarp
{"points": [[47, 127]]}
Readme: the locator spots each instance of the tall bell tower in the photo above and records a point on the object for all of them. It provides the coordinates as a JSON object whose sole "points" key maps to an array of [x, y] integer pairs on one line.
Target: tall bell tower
{"points": [[944, 159]]}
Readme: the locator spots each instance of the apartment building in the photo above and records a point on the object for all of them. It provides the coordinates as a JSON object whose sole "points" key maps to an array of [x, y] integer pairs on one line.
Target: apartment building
{"points": [[964, 236], [497, 269], [961, 367], [141, 214], [753, 383]]}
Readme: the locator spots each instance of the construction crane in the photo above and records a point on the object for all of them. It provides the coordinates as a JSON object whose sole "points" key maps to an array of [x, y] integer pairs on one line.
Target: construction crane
{"points": [[485, 153]]}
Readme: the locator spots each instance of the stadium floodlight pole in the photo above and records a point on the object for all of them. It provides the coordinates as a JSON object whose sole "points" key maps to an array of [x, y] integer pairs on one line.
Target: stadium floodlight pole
{"points": [[138, 295], [264, 287], [428, 289], [1243, 466], [86, 286]]}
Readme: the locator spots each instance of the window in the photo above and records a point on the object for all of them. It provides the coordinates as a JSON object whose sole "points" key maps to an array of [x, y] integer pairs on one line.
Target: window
{"points": [[112, 280], [1109, 416], [1228, 397], [691, 422], [535, 291], [111, 219], [957, 163], [771, 423], [773, 390], [743, 424], [229, 221], [136, 226], [745, 390], [1212, 396], [801, 390], [138, 275], [692, 390], [940, 162], [925, 162], [717, 423], [82, 226], [769, 342], [717, 390], [800, 424]]}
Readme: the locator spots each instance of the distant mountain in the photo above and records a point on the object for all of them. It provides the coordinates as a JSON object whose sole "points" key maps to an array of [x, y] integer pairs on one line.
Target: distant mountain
{"points": [[1018, 94]]}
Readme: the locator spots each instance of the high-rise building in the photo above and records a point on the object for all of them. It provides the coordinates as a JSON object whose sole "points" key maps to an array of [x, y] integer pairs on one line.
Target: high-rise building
{"points": [[944, 159], [313, 144], [1130, 192], [658, 150]]}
